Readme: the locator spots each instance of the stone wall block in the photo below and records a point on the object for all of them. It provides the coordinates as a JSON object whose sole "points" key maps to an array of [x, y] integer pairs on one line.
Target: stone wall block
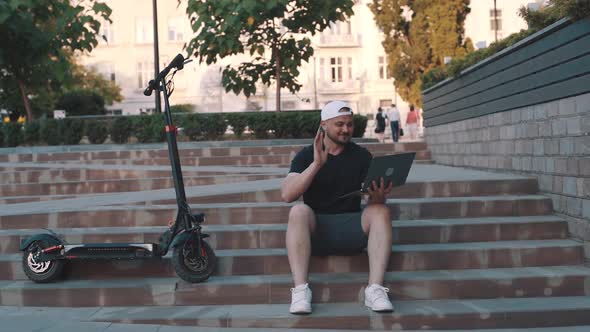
{"points": [[545, 183], [550, 165], [570, 186], [586, 208], [574, 206], [527, 114], [573, 166], [558, 127], [561, 165], [584, 166], [567, 106], [545, 128], [539, 147], [540, 112], [582, 145], [532, 130], [574, 125], [515, 116], [566, 146], [553, 109], [582, 103], [558, 184]]}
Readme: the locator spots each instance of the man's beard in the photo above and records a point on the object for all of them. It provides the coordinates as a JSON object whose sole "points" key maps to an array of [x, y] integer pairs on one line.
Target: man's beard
{"points": [[337, 139]]}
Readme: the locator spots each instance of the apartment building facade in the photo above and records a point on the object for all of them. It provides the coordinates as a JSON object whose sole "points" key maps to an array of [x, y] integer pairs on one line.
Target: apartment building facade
{"points": [[349, 62]]}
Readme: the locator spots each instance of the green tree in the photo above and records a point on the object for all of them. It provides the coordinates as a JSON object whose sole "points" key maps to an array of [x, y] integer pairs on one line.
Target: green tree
{"points": [[89, 79], [37, 37], [553, 11], [229, 27], [418, 35]]}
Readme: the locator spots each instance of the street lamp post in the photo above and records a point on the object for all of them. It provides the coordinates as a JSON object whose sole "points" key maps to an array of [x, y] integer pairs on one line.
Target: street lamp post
{"points": [[156, 55]]}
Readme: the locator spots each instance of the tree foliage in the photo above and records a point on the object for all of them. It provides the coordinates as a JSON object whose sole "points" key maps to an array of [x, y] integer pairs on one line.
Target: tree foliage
{"points": [[37, 37], [555, 10], [418, 35], [90, 80], [229, 27]]}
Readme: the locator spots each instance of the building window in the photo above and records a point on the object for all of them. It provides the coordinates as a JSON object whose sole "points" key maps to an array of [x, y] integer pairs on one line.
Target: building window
{"points": [[384, 103], [349, 68], [288, 105], [340, 69], [175, 29], [145, 73], [496, 20], [340, 28], [144, 31], [336, 69], [106, 34], [382, 64], [108, 71], [114, 112]]}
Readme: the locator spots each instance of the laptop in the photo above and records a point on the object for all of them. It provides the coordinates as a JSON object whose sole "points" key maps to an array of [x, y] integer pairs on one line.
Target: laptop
{"points": [[393, 168]]}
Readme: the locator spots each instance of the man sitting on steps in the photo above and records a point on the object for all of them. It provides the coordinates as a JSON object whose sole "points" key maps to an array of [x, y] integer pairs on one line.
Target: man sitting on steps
{"points": [[328, 224]]}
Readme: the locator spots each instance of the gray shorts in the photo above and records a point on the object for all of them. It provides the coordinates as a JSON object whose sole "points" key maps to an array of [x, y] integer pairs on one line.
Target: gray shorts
{"points": [[338, 234]]}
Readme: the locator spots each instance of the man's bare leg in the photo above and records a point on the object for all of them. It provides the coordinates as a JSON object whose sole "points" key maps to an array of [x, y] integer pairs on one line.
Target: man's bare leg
{"points": [[376, 223], [298, 239]]}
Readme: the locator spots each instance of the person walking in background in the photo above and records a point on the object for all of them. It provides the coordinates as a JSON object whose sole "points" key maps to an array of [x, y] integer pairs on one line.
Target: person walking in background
{"points": [[412, 122], [380, 126], [394, 117]]}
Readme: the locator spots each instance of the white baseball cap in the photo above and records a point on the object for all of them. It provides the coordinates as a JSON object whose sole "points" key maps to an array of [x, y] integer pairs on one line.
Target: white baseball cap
{"points": [[334, 109]]}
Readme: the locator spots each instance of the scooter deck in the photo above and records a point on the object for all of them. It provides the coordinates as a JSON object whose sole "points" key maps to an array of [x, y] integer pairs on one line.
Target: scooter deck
{"points": [[109, 250]]}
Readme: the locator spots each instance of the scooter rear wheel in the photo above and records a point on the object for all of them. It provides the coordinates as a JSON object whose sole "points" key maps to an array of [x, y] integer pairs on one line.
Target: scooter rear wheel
{"points": [[193, 269], [40, 272]]}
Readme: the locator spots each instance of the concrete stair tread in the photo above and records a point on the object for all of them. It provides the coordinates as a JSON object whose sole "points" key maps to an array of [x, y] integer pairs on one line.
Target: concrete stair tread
{"points": [[52, 321], [175, 284], [405, 248], [389, 201], [483, 205], [483, 307], [282, 227]]}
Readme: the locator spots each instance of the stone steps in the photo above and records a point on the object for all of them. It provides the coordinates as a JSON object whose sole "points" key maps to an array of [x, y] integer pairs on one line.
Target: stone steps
{"points": [[471, 250], [541, 282], [267, 236], [415, 257], [409, 315], [272, 213], [185, 150], [409, 190], [47, 176], [112, 186]]}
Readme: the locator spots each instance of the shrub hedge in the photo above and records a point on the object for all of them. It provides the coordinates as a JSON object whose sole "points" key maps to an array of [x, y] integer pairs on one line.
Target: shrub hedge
{"points": [[96, 131], [150, 128]]}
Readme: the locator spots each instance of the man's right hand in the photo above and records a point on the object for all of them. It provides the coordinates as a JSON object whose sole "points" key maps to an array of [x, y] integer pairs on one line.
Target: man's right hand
{"points": [[320, 155]]}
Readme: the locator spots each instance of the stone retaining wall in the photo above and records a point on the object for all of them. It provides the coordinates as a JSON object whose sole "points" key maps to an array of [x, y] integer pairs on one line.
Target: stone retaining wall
{"points": [[549, 141]]}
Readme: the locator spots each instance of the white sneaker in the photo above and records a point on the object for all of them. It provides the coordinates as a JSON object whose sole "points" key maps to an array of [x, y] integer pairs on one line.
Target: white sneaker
{"points": [[376, 298], [300, 300]]}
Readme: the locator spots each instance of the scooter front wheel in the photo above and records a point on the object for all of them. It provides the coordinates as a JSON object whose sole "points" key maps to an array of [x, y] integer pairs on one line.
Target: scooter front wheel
{"points": [[40, 272], [193, 268]]}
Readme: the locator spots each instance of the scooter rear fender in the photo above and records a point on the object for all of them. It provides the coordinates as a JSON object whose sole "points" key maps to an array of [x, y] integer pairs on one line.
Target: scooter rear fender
{"points": [[50, 239]]}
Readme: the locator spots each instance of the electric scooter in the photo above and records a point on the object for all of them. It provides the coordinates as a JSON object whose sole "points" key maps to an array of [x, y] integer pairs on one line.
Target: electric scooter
{"points": [[45, 254]]}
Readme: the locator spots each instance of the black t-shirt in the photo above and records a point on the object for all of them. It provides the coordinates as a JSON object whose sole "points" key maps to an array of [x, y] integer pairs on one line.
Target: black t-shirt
{"points": [[340, 175]]}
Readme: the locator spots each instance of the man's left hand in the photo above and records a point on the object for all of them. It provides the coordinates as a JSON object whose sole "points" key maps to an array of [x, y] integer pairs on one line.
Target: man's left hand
{"points": [[378, 192]]}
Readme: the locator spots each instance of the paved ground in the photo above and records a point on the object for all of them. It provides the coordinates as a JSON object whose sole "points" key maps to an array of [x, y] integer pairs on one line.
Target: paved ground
{"points": [[18, 319]]}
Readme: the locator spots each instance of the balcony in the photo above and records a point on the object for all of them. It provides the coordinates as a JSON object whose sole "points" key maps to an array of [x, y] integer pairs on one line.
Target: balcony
{"points": [[349, 40], [346, 87]]}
